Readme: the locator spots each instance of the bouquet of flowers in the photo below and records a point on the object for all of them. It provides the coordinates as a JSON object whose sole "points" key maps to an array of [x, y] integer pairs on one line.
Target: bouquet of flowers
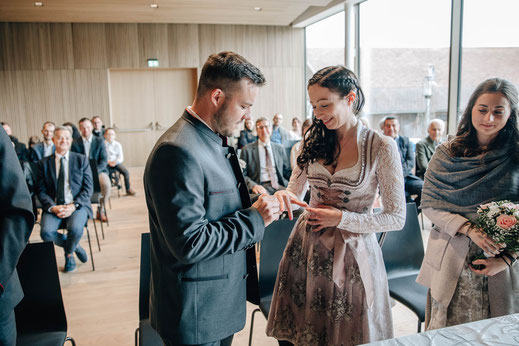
{"points": [[500, 222]]}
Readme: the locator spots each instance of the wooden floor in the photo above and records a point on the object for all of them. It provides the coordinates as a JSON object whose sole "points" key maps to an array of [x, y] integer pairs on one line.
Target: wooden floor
{"points": [[102, 305]]}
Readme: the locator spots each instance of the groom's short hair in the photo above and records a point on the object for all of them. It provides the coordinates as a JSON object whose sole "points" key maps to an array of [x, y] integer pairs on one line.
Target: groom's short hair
{"points": [[224, 71]]}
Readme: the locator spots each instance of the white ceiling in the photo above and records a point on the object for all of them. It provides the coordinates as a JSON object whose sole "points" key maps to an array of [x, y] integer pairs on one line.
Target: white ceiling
{"points": [[274, 12]]}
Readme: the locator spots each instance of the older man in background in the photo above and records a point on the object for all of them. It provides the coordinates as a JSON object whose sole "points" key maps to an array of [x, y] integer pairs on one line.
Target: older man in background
{"points": [[427, 146]]}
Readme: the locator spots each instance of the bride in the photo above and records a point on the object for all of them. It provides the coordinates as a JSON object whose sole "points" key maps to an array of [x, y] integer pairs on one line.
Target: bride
{"points": [[331, 287]]}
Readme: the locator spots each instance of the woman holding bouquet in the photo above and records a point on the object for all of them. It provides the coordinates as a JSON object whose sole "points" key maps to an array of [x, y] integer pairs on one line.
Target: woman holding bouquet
{"points": [[331, 287], [480, 165]]}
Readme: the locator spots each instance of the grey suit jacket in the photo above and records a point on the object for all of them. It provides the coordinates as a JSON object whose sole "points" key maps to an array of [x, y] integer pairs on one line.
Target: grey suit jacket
{"points": [[250, 154], [424, 151], [201, 226]]}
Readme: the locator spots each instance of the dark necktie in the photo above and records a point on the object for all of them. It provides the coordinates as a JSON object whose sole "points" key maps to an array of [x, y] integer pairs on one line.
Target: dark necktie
{"points": [[60, 192]]}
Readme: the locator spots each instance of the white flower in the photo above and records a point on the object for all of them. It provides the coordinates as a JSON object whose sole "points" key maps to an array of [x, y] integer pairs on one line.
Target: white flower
{"points": [[243, 164], [493, 211]]}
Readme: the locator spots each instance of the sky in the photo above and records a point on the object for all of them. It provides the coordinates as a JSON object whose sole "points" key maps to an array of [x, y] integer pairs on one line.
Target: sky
{"points": [[422, 24]]}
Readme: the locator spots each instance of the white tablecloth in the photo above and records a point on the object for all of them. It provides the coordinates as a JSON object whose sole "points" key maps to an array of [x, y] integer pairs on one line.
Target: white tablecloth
{"points": [[502, 330]]}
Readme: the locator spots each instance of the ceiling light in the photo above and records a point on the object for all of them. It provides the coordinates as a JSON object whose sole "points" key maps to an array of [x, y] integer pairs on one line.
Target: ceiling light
{"points": [[38, 4], [154, 6], [257, 8]]}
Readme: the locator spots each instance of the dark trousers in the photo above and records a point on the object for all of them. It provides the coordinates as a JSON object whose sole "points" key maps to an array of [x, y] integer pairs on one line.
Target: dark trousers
{"points": [[413, 186], [285, 343], [224, 342], [121, 169], [7, 328], [74, 225], [268, 186]]}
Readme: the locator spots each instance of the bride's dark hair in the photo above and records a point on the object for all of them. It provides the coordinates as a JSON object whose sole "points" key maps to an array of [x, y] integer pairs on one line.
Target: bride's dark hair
{"points": [[321, 143]]}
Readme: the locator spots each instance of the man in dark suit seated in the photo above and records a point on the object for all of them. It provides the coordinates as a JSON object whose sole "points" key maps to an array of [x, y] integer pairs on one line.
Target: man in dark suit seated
{"points": [[427, 146], [65, 187], [267, 166], [16, 221], [99, 128], [45, 148], [21, 150], [413, 184], [93, 147], [202, 224]]}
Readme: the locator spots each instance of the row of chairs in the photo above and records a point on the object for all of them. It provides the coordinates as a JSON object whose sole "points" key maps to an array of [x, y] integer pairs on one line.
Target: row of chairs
{"points": [[403, 253]]}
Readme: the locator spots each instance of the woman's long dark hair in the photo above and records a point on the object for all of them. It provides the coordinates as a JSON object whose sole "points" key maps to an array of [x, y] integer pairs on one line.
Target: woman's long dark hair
{"points": [[466, 142], [321, 143]]}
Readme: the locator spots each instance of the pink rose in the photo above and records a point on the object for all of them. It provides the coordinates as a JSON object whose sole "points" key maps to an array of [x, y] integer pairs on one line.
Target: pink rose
{"points": [[506, 221]]}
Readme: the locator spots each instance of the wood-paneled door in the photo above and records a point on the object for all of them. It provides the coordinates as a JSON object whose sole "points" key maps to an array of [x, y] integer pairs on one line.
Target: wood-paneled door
{"points": [[145, 103]]}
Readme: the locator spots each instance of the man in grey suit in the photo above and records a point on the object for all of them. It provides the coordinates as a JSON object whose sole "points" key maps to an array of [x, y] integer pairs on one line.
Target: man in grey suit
{"points": [[427, 146], [202, 224], [267, 166]]}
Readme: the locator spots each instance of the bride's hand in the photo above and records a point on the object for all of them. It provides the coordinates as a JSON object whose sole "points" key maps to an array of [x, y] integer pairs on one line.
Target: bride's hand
{"points": [[323, 216], [493, 265], [285, 202]]}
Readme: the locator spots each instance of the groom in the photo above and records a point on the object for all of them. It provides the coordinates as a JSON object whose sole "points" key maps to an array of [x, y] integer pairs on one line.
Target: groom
{"points": [[202, 224]]}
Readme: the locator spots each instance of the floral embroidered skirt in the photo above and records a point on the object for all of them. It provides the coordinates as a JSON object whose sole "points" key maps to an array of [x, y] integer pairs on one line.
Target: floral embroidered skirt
{"points": [[307, 307]]}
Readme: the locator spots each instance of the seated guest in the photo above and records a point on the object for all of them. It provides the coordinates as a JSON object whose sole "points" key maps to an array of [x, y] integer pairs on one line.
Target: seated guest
{"points": [[246, 135], [65, 187], [426, 147], [99, 128], [267, 168], [19, 147], [115, 157], [413, 185], [45, 148], [75, 131], [279, 134], [94, 148], [296, 149], [32, 141], [295, 133]]}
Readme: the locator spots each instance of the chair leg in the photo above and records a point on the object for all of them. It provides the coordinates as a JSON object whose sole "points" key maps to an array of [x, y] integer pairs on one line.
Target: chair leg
{"points": [[101, 221], [137, 337], [97, 237], [71, 340], [419, 326], [106, 214], [252, 325], [90, 247]]}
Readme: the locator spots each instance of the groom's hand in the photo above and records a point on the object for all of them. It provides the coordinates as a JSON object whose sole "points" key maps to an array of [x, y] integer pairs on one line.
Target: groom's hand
{"points": [[268, 207]]}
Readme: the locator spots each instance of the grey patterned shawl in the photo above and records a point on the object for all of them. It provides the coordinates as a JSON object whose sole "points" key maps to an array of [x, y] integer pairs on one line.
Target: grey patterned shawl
{"points": [[460, 184]]}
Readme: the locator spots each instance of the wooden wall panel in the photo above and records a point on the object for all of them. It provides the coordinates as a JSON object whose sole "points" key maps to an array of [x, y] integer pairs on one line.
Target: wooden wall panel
{"points": [[89, 46], [153, 44], [183, 45], [122, 45], [59, 71]]}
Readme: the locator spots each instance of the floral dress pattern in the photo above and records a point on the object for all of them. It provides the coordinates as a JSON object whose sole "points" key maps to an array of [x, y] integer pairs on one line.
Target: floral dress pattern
{"points": [[331, 287]]}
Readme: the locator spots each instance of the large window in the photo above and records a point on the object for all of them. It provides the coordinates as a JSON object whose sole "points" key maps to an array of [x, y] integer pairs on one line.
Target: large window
{"points": [[324, 45], [490, 44], [404, 61]]}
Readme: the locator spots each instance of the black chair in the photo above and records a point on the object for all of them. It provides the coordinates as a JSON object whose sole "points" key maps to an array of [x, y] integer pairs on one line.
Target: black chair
{"points": [[40, 316], [403, 254], [271, 252], [145, 335], [115, 180], [96, 198]]}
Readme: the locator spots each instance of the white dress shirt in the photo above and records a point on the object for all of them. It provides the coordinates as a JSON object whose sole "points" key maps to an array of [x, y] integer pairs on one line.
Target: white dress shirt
{"points": [[86, 143], [48, 149], [114, 152], [69, 198], [264, 173]]}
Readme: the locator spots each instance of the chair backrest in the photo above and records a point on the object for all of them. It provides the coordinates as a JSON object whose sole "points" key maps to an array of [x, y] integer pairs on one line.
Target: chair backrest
{"points": [[95, 175], [145, 276], [403, 250], [41, 308], [271, 252]]}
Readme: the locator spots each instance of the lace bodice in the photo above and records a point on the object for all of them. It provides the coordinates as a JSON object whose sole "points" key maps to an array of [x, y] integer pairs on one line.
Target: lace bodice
{"points": [[353, 190]]}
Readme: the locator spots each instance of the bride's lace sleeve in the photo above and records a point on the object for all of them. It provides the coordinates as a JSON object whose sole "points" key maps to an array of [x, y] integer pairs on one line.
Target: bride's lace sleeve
{"points": [[298, 184], [391, 183]]}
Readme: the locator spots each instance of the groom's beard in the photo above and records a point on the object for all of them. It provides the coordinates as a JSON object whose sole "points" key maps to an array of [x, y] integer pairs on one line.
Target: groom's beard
{"points": [[223, 125]]}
